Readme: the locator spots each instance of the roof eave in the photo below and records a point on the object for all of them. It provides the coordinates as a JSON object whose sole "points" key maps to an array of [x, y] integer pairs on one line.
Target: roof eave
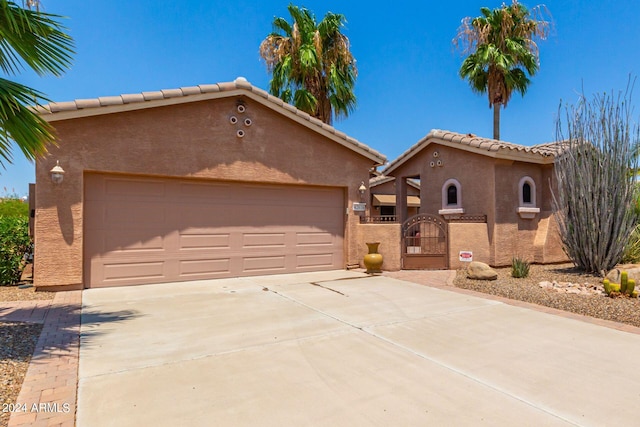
{"points": [[502, 153], [110, 105]]}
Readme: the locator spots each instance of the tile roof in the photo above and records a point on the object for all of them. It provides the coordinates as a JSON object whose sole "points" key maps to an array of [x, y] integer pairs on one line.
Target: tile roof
{"points": [[542, 153], [56, 111], [382, 179]]}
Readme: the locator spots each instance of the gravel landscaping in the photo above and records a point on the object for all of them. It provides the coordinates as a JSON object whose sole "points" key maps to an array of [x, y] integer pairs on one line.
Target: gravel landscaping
{"points": [[14, 293], [622, 310], [17, 342]]}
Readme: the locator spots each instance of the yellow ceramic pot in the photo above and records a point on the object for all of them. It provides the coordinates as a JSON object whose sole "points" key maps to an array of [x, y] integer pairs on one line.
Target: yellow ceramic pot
{"points": [[373, 260]]}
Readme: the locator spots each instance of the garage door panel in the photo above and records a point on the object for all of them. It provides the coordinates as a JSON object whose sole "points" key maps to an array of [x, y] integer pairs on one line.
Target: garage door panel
{"points": [[133, 270], [194, 241], [263, 240], [314, 238], [123, 190], [170, 229], [204, 268], [263, 264], [315, 260], [134, 241]]}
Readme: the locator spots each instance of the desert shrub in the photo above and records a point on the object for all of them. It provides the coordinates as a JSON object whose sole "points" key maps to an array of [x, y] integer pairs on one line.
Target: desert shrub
{"points": [[594, 198], [631, 254], [519, 267], [14, 245]]}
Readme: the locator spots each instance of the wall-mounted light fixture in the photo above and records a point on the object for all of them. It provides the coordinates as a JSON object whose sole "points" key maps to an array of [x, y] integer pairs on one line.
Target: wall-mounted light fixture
{"points": [[57, 173], [362, 189]]}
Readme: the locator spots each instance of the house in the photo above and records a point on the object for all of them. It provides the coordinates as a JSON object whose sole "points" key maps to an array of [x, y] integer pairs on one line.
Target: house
{"points": [[485, 199], [383, 197], [202, 182]]}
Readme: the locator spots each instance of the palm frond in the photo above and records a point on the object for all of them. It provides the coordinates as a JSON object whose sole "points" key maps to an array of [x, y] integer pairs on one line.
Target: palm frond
{"points": [[36, 38], [19, 123], [312, 64]]}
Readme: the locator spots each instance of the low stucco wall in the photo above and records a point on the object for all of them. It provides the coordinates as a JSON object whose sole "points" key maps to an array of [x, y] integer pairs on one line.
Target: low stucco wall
{"points": [[389, 237], [472, 237]]}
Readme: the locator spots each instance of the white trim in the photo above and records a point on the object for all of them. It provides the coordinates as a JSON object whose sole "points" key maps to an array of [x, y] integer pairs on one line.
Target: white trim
{"points": [[527, 210], [457, 211], [527, 213], [445, 187], [532, 184]]}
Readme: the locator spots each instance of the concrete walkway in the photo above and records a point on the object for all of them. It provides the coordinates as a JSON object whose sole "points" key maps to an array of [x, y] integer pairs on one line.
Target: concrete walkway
{"points": [[343, 349]]}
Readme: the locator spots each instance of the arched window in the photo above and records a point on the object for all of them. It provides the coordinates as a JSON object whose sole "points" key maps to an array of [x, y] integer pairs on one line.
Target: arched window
{"points": [[527, 208], [527, 191], [452, 195], [451, 198]]}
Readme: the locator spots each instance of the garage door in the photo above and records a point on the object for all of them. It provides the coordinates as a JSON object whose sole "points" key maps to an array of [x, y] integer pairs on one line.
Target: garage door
{"points": [[143, 230]]}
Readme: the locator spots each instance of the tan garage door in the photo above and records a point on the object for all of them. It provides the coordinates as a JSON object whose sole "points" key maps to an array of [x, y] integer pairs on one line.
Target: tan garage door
{"points": [[143, 230]]}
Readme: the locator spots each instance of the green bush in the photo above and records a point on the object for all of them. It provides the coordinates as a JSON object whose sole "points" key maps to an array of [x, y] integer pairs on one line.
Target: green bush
{"points": [[14, 245], [14, 207], [519, 267]]}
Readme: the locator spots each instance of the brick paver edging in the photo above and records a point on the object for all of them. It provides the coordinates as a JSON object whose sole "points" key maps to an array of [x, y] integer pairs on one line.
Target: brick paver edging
{"points": [[49, 391]]}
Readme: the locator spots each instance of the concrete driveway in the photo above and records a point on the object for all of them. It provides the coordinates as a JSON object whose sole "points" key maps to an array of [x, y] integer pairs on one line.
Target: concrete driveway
{"points": [[343, 349]]}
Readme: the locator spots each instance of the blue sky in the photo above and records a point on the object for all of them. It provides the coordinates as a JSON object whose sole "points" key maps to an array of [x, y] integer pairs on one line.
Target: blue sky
{"points": [[408, 78]]}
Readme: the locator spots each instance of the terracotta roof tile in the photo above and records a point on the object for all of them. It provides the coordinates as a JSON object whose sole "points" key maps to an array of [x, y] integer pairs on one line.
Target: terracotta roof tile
{"points": [[209, 88], [150, 96], [131, 98], [172, 93], [63, 106], [87, 103], [227, 86], [536, 153], [128, 101], [110, 100]]}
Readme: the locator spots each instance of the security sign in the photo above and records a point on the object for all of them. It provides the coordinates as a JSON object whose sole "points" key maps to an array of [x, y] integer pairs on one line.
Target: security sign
{"points": [[466, 256]]}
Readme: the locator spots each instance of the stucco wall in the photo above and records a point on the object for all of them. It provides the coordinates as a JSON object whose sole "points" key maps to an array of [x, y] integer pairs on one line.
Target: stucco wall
{"points": [[489, 187], [474, 172], [389, 237], [472, 237], [192, 140]]}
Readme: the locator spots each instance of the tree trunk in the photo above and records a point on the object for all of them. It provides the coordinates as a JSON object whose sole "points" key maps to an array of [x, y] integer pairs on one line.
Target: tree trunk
{"points": [[496, 121]]}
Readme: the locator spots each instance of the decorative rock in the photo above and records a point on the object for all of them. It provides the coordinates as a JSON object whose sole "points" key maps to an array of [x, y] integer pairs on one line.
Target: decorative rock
{"points": [[481, 271], [573, 288], [632, 269]]}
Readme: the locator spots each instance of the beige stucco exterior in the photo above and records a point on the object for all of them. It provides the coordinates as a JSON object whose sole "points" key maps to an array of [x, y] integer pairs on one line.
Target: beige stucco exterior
{"points": [[388, 187], [195, 140], [489, 183], [388, 235]]}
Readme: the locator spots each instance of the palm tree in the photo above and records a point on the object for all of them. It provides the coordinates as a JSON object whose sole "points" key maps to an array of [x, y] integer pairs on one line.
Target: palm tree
{"points": [[502, 52], [311, 64], [32, 37]]}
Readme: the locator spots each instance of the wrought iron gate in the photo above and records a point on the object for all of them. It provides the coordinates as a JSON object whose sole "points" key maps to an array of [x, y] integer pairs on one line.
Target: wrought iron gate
{"points": [[424, 243]]}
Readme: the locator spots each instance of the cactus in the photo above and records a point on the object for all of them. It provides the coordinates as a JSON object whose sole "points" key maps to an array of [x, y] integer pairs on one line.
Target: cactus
{"points": [[631, 285], [624, 281], [626, 287]]}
